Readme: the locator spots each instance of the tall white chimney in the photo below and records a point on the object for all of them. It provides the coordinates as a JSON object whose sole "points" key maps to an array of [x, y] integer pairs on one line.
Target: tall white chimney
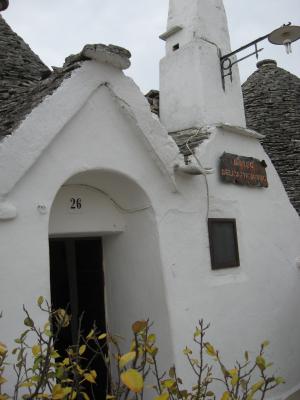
{"points": [[191, 90]]}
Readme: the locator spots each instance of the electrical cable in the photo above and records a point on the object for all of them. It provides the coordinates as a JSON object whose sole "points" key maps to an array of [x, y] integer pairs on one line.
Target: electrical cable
{"points": [[206, 170], [127, 210]]}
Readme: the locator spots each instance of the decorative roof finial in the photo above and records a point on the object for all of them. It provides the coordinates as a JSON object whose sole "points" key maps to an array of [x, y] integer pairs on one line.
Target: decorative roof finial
{"points": [[4, 4]]}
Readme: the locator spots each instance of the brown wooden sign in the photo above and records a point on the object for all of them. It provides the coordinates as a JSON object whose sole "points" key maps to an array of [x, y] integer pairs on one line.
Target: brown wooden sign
{"points": [[243, 170]]}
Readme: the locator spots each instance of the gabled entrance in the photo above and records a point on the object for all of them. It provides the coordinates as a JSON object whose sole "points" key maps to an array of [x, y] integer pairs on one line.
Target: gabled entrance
{"points": [[77, 283]]}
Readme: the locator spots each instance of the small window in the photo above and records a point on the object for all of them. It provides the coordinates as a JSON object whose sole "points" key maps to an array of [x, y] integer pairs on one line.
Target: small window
{"points": [[176, 47], [223, 243]]}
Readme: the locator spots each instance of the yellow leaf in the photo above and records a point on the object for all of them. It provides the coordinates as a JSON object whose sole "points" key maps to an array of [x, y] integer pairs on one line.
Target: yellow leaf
{"points": [[57, 392], [210, 349], [55, 354], [265, 343], [257, 386], [90, 335], [74, 395], [163, 396], [102, 336], [40, 301], [85, 396], [36, 350], [133, 380], [126, 358], [26, 384], [226, 396], [132, 345], [233, 372], [2, 380], [91, 376], [139, 326], [152, 350], [62, 318], [168, 383], [187, 351], [234, 380], [151, 338], [3, 349], [110, 397], [66, 361], [261, 363], [82, 349]]}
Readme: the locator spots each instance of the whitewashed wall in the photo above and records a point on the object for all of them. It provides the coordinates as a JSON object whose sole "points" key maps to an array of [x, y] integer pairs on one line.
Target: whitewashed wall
{"points": [[159, 266]]}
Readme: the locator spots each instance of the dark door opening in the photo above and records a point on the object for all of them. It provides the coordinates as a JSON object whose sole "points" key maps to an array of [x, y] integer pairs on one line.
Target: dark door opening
{"points": [[77, 283]]}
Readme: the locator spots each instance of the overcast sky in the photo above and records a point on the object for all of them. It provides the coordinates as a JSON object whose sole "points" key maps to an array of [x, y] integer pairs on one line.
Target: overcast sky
{"points": [[56, 28]]}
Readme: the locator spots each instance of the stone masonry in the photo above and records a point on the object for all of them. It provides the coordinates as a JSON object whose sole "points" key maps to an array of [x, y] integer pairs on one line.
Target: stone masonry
{"points": [[272, 107]]}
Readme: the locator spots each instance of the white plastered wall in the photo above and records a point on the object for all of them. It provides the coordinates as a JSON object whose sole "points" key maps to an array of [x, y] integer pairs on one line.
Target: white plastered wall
{"points": [[100, 150], [101, 147]]}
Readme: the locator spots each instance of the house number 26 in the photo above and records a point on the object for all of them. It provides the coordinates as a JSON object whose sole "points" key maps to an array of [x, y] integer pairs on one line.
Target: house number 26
{"points": [[76, 203]]}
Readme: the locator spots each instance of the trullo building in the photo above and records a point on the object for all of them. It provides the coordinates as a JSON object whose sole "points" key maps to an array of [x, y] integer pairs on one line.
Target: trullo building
{"points": [[184, 215]]}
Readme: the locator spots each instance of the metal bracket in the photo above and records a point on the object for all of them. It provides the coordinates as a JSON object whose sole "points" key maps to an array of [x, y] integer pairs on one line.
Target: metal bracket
{"points": [[226, 62]]}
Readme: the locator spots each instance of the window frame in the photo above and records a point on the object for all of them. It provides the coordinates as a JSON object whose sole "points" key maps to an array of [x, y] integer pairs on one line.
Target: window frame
{"points": [[223, 265]]}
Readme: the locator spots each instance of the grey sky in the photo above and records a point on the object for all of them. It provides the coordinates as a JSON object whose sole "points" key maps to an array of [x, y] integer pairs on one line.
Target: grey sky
{"points": [[55, 29]]}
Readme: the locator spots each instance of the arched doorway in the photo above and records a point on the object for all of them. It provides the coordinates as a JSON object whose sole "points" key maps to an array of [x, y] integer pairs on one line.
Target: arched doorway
{"points": [[81, 215], [104, 255]]}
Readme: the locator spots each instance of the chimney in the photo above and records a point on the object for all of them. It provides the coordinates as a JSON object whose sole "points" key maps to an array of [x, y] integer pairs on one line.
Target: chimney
{"points": [[4, 4], [191, 91]]}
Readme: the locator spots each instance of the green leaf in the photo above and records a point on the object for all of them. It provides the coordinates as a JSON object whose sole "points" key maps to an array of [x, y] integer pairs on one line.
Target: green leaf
{"points": [[197, 332], [40, 301], [28, 322], [279, 380], [172, 372]]}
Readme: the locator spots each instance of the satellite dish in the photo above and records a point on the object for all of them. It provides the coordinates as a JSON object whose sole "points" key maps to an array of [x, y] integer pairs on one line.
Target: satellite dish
{"points": [[4, 4], [285, 36]]}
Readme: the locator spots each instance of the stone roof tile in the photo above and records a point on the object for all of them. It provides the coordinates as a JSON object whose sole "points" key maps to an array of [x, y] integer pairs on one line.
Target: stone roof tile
{"points": [[272, 107]]}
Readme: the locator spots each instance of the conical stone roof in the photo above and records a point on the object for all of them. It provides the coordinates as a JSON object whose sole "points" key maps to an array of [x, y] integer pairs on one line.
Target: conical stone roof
{"points": [[24, 79], [272, 107], [19, 65]]}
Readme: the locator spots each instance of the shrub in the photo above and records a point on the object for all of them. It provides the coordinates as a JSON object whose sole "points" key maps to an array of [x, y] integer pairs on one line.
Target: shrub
{"points": [[44, 373]]}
